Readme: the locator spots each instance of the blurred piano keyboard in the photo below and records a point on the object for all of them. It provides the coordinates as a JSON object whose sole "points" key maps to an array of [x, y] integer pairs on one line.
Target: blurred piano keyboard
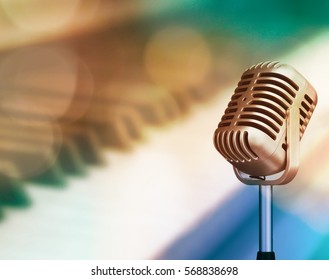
{"points": [[107, 110], [93, 162]]}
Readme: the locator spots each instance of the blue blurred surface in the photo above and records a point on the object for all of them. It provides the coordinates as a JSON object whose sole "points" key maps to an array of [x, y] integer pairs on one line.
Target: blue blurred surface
{"points": [[231, 233]]}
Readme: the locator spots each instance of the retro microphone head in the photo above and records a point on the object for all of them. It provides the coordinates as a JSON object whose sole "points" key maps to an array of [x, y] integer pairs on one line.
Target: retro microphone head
{"points": [[261, 128]]}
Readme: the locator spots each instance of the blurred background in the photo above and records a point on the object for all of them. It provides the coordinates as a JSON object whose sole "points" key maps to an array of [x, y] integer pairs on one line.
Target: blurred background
{"points": [[107, 112]]}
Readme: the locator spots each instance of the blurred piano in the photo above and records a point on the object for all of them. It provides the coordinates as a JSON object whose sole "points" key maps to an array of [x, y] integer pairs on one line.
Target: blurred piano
{"points": [[107, 110], [85, 87]]}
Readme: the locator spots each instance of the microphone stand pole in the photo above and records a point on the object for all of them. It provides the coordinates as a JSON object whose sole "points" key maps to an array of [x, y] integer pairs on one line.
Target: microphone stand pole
{"points": [[265, 223]]}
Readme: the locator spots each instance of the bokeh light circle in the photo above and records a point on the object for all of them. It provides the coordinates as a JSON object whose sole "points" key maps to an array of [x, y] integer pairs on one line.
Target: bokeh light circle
{"points": [[39, 82], [40, 15], [177, 58]]}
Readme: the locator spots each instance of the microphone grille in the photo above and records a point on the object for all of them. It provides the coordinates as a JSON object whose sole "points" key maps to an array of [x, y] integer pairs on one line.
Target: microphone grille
{"points": [[261, 100], [234, 146], [306, 110]]}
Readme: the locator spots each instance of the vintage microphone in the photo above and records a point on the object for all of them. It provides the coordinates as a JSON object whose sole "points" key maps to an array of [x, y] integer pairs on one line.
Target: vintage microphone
{"points": [[260, 132]]}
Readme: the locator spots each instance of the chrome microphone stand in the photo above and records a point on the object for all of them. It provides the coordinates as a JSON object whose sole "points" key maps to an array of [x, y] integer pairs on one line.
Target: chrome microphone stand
{"points": [[265, 223]]}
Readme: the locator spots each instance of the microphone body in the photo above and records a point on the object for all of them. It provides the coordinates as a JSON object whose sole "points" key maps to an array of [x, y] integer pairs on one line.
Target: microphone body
{"points": [[264, 121]]}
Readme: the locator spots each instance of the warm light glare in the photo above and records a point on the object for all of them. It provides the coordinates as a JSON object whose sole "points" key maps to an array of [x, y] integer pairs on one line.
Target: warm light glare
{"points": [[40, 15], [39, 82], [177, 58]]}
